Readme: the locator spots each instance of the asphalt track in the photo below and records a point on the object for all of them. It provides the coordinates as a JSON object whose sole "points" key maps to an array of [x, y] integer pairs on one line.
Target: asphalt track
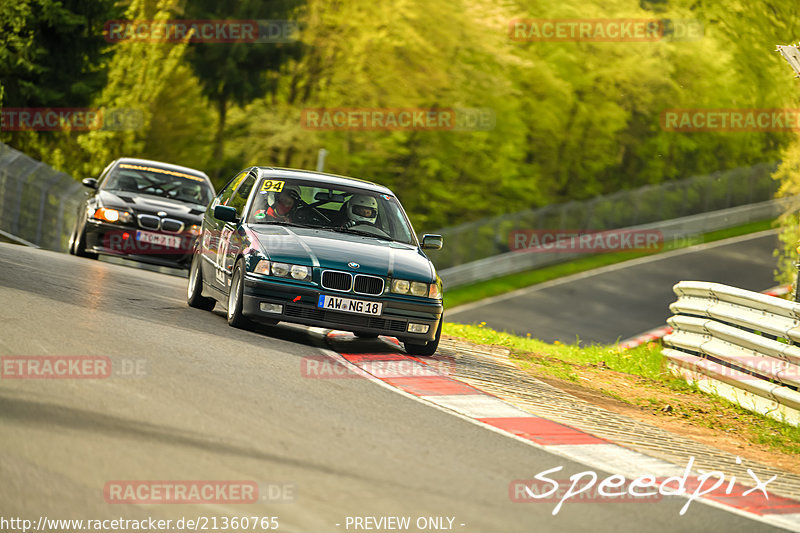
{"points": [[216, 403], [620, 301]]}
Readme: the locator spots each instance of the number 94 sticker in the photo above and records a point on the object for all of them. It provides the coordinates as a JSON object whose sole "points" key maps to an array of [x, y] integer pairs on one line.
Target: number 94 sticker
{"points": [[272, 186]]}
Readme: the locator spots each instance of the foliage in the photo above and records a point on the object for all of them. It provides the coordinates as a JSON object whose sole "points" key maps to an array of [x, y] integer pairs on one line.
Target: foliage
{"points": [[571, 120]]}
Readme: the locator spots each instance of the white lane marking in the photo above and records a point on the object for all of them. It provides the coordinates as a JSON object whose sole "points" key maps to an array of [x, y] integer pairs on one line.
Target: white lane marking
{"points": [[618, 460], [605, 269], [478, 406], [789, 521]]}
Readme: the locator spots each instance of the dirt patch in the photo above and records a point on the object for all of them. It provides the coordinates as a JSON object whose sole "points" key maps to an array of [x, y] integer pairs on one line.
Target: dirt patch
{"points": [[688, 413]]}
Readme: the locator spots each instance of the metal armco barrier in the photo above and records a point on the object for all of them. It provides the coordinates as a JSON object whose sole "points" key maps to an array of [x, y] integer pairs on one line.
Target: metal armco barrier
{"points": [[737, 344]]}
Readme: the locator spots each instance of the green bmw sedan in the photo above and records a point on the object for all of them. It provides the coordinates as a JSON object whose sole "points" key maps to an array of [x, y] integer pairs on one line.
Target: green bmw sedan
{"points": [[321, 250]]}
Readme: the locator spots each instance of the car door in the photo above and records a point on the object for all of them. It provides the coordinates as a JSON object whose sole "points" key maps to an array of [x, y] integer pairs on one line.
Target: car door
{"points": [[229, 241], [212, 233]]}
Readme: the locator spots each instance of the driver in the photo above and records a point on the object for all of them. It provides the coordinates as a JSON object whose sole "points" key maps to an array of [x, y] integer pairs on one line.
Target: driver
{"points": [[361, 209], [283, 205]]}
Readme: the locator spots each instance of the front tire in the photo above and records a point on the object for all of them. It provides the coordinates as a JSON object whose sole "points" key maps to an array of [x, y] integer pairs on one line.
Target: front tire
{"points": [[427, 349], [235, 296], [194, 296], [79, 245]]}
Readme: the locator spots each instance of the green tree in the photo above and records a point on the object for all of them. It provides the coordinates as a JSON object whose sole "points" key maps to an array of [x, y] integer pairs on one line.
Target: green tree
{"points": [[238, 72], [139, 75]]}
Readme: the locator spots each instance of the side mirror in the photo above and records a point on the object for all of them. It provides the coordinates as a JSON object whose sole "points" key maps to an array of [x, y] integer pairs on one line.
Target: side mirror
{"points": [[431, 242], [89, 182], [225, 213]]}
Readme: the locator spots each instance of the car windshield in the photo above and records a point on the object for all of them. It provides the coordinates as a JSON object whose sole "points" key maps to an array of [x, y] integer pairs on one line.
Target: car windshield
{"points": [[343, 209], [155, 181]]}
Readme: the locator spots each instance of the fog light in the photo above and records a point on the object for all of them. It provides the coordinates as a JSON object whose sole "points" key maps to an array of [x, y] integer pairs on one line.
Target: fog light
{"points": [[271, 308], [418, 328]]}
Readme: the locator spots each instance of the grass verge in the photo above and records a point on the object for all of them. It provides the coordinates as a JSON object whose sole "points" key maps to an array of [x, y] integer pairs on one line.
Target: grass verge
{"points": [[638, 383], [493, 287]]}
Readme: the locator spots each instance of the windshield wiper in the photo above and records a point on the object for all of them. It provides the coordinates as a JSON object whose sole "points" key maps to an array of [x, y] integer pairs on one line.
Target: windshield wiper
{"points": [[283, 223], [362, 233]]}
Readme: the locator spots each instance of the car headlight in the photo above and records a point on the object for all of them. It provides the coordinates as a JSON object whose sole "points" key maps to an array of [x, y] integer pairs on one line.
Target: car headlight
{"points": [[112, 215], [400, 286], [283, 270], [194, 229], [419, 289], [280, 269], [301, 273], [415, 288]]}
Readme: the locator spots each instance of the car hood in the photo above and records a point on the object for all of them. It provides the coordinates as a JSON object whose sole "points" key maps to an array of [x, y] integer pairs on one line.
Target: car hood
{"points": [[334, 250], [147, 204]]}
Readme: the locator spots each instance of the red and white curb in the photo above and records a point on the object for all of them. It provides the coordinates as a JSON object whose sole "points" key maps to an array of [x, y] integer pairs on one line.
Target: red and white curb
{"points": [[416, 378], [657, 333]]}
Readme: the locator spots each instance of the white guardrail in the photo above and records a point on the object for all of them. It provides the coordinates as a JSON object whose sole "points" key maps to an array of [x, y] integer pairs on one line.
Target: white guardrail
{"points": [[671, 230], [739, 345]]}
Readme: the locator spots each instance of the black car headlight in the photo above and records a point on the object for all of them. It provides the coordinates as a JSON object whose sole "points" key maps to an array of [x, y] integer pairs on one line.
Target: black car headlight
{"points": [[107, 214]]}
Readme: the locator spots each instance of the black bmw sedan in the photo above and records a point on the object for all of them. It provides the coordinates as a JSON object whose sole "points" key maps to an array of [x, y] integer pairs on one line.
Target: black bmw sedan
{"points": [[143, 210]]}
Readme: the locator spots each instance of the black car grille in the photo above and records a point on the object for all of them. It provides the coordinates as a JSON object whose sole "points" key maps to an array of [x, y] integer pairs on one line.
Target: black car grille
{"points": [[345, 319], [149, 221], [337, 281], [368, 284], [171, 225]]}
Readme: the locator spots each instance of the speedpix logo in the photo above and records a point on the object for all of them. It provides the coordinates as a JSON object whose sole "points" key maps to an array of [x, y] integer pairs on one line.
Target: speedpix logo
{"points": [[589, 487]]}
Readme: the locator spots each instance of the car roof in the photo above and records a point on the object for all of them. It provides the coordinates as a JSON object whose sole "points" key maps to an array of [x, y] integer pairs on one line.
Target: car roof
{"points": [[161, 164], [333, 179]]}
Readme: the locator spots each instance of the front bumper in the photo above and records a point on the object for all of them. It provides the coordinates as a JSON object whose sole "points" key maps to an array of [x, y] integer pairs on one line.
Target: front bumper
{"points": [[300, 307], [107, 239]]}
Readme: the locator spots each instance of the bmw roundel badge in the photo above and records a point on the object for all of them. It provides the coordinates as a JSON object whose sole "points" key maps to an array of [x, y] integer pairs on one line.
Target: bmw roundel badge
{"points": [[353, 264]]}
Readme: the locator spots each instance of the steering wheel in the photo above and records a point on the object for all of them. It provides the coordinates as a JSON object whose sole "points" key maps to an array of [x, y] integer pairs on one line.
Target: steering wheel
{"points": [[373, 229], [310, 214]]}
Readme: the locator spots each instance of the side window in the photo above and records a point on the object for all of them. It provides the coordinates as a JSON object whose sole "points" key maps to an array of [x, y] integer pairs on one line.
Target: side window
{"points": [[102, 179], [239, 200], [225, 195]]}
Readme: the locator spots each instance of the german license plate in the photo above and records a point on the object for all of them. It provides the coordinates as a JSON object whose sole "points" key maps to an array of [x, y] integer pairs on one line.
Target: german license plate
{"points": [[348, 305], [169, 241]]}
